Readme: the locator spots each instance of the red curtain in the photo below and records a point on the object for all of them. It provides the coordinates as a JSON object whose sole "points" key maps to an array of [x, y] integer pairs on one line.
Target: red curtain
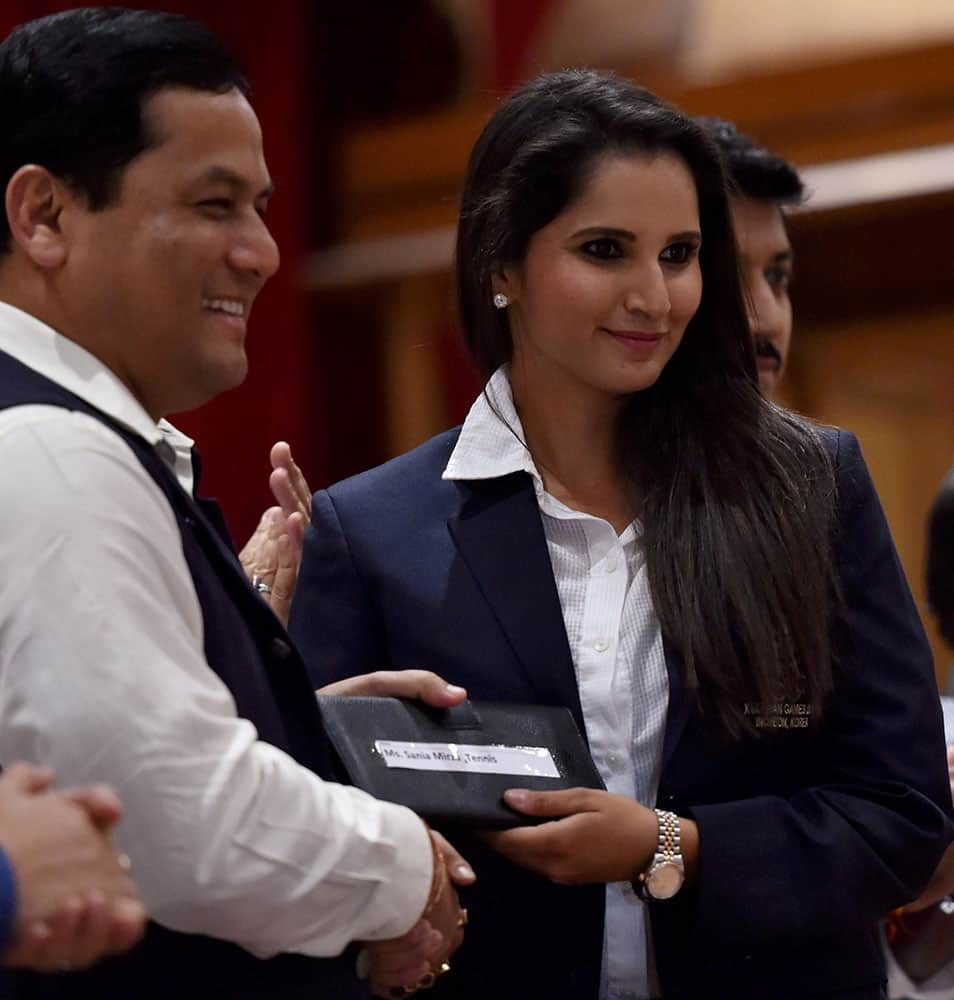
{"points": [[236, 430], [513, 26]]}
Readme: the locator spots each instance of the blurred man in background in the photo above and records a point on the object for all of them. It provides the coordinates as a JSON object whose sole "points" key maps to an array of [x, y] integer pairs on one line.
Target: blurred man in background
{"points": [[765, 186], [920, 962]]}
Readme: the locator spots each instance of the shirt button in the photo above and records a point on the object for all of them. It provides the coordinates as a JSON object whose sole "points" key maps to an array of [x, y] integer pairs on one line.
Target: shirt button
{"points": [[611, 565], [613, 761], [601, 645]]}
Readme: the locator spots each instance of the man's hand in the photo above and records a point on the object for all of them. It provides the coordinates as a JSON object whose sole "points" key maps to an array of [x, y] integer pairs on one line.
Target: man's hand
{"points": [[76, 902], [271, 559], [421, 685], [272, 556], [457, 867], [597, 837], [403, 962]]}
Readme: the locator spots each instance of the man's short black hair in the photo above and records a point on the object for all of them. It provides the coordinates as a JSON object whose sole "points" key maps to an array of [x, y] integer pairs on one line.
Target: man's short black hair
{"points": [[73, 85], [756, 172]]}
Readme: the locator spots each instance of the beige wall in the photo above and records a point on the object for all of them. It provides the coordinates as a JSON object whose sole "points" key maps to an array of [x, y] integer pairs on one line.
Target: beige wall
{"points": [[891, 382], [725, 37]]}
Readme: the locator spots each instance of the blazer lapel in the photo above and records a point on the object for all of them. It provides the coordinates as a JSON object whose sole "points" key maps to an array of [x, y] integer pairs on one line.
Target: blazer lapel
{"points": [[680, 704], [499, 534]]}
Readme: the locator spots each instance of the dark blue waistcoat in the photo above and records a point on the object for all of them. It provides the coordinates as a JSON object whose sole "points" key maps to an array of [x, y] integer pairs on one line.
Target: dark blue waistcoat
{"points": [[247, 647]]}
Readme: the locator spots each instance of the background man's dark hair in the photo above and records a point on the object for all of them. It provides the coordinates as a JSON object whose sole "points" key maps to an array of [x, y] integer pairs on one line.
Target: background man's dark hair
{"points": [[72, 88], [756, 172]]}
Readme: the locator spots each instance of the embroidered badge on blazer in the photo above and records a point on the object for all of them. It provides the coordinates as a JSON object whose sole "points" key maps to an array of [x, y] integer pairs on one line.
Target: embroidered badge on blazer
{"points": [[780, 714]]}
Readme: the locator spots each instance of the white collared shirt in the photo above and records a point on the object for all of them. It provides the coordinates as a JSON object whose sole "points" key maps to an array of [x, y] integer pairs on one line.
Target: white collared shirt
{"points": [[103, 677], [617, 650]]}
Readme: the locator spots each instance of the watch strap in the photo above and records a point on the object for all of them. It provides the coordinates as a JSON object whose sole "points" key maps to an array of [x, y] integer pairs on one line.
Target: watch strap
{"points": [[668, 851]]}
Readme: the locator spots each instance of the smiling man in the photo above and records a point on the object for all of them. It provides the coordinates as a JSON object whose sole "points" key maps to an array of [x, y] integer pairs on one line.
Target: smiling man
{"points": [[132, 648], [765, 185]]}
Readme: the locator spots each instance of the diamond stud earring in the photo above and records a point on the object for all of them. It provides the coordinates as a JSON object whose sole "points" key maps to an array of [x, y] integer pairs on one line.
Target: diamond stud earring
{"points": [[501, 301]]}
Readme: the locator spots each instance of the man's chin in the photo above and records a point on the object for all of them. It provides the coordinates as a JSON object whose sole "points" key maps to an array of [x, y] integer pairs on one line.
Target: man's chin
{"points": [[230, 377], [224, 374], [211, 384]]}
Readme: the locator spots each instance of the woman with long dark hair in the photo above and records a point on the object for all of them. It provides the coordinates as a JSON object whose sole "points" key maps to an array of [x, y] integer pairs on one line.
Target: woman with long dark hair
{"points": [[625, 527]]}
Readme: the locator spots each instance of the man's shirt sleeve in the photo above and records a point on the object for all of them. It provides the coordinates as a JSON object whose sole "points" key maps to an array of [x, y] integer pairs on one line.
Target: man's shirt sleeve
{"points": [[103, 677]]}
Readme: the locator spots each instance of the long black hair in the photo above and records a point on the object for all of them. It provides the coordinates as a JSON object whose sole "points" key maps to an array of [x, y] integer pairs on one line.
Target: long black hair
{"points": [[735, 495]]}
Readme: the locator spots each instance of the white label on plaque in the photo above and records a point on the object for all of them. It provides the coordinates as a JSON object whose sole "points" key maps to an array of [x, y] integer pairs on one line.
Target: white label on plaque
{"points": [[536, 761]]}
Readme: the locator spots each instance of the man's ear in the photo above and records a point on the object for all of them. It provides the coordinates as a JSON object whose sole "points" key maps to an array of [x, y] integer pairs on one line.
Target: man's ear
{"points": [[35, 201]]}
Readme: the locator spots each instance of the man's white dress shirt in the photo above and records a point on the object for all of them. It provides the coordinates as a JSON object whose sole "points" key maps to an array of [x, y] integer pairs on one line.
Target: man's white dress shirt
{"points": [[617, 650], [103, 677]]}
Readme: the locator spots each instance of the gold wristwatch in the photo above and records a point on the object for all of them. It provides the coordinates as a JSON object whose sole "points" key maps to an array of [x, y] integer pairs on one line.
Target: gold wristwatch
{"points": [[665, 874]]}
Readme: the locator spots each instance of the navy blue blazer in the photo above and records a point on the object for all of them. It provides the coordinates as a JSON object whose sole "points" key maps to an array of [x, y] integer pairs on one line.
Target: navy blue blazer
{"points": [[808, 834]]}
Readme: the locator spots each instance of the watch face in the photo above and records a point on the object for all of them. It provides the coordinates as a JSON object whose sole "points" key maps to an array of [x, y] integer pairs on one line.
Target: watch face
{"points": [[664, 880]]}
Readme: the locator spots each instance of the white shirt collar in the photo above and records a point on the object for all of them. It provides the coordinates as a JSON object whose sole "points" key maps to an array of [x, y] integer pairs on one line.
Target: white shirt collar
{"points": [[491, 441], [64, 362], [491, 444]]}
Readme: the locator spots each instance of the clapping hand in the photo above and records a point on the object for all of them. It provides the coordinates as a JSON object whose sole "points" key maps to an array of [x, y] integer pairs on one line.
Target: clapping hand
{"points": [[272, 556]]}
